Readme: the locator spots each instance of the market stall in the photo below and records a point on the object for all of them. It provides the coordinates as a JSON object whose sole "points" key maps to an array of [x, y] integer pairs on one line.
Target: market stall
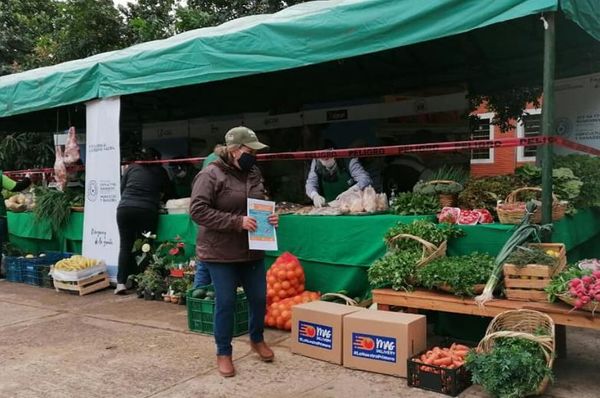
{"points": [[338, 250]]}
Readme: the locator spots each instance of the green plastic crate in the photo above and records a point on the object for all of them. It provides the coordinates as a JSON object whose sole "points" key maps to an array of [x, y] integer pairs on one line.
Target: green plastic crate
{"points": [[201, 313]]}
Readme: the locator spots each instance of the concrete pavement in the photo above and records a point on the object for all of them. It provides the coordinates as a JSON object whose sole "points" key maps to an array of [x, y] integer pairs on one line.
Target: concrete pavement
{"points": [[60, 345]]}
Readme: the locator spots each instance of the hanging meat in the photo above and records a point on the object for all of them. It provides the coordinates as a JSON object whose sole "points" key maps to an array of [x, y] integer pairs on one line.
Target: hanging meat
{"points": [[60, 170], [71, 148]]}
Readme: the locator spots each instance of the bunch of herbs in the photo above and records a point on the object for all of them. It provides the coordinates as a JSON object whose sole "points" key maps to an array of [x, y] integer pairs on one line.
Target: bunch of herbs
{"points": [[54, 206], [523, 256], [587, 169], [460, 273], [433, 233], [414, 204], [484, 193], [513, 368], [396, 270]]}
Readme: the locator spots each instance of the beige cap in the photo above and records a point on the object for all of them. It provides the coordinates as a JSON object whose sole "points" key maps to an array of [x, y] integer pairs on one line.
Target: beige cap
{"points": [[244, 136]]}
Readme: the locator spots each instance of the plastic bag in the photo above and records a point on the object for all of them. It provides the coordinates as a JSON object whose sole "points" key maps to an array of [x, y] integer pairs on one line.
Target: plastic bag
{"points": [[370, 200], [382, 202]]}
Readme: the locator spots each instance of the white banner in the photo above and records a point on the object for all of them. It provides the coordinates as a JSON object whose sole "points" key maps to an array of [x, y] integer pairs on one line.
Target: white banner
{"points": [[102, 182], [578, 110]]}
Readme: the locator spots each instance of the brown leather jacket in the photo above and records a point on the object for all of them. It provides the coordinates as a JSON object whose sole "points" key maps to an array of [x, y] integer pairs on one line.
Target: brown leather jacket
{"points": [[218, 205]]}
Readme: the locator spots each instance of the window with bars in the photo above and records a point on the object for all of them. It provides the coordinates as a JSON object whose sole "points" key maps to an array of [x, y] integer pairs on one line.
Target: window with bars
{"points": [[482, 129], [530, 125]]}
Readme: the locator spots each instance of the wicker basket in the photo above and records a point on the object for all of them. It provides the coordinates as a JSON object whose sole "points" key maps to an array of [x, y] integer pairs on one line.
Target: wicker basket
{"points": [[514, 216], [592, 306], [446, 200], [430, 251], [523, 324], [477, 289]]}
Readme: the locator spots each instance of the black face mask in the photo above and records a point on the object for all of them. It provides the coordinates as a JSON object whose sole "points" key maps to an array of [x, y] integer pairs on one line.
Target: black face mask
{"points": [[246, 161]]}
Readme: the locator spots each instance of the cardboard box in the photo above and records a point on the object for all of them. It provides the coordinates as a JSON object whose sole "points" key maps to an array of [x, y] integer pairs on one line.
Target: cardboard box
{"points": [[317, 330], [381, 341]]}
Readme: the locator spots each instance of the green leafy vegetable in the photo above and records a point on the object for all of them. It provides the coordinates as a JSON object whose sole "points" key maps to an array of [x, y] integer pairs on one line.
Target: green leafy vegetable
{"points": [[395, 269], [461, 273], [513, 368], [54, 206], [522, 256], [484, 193], [451, 173], [587, 169], [430, 188], [433, 233], [559, 283], [411, 204]]}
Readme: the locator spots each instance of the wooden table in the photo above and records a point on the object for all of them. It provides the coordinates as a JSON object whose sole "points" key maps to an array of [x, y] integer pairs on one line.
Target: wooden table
{"points": [[436, 301]]}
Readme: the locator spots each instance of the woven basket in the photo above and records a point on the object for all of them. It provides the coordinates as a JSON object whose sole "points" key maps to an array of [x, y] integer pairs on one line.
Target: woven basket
{"points": [[347, 299], [592, 306], [523, 324], [430, 251], [514, 216], [477, 289], [446, 200]]}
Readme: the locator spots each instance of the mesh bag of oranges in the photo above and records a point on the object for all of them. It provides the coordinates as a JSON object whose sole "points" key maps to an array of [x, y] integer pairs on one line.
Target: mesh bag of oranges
{"points": [[285, 288]]}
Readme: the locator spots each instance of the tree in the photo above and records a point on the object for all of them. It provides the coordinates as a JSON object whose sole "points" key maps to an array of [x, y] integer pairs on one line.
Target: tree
{"points": [[85, 28], [149, 19], [225, 10], [24, 24]]}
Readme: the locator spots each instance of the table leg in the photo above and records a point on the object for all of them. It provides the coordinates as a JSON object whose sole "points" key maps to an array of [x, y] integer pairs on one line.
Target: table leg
{"points": [[383, 307], [560, 332]]}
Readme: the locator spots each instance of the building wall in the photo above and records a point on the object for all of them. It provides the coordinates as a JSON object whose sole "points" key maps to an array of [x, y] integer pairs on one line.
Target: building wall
{"points": [[504, 159]]}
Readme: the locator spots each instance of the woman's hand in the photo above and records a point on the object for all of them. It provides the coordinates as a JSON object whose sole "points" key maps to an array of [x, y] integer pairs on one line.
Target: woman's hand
{"points": [[249, 224], [274, 220]]}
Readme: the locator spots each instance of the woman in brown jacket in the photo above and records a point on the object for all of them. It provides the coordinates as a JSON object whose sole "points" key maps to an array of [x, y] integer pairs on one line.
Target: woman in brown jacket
{"points": [[219, 205]]}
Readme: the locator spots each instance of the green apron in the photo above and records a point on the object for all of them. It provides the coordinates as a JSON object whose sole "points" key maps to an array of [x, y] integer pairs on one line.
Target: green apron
{"points": [[331, 189]]}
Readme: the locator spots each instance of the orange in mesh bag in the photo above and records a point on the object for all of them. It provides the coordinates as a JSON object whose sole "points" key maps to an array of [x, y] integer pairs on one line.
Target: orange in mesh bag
{"points": [[279, 314], [285, 278]]}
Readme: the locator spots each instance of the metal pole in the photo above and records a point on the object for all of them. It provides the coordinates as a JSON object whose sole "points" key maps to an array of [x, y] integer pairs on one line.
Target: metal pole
{"points": [[548, 115]]}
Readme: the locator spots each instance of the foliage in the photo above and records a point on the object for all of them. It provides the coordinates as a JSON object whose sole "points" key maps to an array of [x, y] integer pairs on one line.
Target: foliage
{"points": [[484, 193], [461, 273], [429, 188], [409, 204], [507, 104], [513, 368], [21, 151], [587, 169], [523, 256], [451, 173], [45, 32], [424, 229], [395, 269], [560, 282], [54, 206], [179, 286], [565, 184]]}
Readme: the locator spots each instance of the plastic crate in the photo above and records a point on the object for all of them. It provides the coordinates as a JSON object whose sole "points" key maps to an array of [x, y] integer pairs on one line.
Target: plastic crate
{"points": [[436, 378], [14, 270], [201, 313], [37, 275]]}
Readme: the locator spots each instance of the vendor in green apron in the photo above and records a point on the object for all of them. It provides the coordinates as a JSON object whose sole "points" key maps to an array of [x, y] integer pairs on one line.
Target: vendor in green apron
{"points": [[328, 178], [13, 186], [183, 175]]}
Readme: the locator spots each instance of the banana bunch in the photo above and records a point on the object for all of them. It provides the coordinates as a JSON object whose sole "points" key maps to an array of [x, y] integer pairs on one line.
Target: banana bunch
{"points": [[75, 263]]}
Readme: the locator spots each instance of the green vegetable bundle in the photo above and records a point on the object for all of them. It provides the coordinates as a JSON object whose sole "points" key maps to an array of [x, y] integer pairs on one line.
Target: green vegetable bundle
{"points": [[434, 233], [437, 187], [54, 206], [514, 368], [523, 256], [560, 282], [460, 273], [587, 169], [396, 270], [415, 204]]}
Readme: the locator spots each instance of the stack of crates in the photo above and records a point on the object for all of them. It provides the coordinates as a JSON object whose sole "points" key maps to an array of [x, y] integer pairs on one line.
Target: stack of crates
{"points": [[33, 271]]}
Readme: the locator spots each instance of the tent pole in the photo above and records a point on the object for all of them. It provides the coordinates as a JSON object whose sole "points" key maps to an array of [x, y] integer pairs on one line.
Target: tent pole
{"points": [[548, 115]]}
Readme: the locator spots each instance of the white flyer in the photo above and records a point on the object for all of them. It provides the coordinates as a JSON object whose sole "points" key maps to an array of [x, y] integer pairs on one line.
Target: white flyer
{"points": [[265, 236]]}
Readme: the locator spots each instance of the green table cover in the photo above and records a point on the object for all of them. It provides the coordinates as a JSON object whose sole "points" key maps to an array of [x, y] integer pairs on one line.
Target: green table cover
{"points": [[335, 251]]}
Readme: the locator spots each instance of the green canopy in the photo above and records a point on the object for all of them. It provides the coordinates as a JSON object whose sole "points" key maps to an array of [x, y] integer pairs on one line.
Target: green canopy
{"points": [[306, 34]]}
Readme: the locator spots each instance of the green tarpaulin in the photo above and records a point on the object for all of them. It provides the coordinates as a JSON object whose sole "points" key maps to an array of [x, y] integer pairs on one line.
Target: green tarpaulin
{"points": [[306, 34], [338, 250]]}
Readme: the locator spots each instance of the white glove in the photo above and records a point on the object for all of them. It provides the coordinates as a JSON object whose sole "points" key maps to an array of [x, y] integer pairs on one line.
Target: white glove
{"points": [[318, 200]]}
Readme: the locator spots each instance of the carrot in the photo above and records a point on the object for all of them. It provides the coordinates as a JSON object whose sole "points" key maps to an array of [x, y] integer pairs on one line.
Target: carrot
{"points": [[457, 364], [443, 361], [461, 353], [461, 347]]}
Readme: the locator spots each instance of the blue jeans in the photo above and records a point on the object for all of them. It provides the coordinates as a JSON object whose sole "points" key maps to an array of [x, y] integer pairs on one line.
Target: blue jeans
{"points": [[226, 276], [202, 277]]}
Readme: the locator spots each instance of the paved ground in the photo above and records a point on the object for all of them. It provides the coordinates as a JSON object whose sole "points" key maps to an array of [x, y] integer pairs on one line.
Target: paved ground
{"points": [[59, 345]]}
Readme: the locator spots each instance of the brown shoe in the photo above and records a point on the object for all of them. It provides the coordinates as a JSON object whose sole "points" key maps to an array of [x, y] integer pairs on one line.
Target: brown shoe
{"points": [[263, 351], [225, 365]]}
